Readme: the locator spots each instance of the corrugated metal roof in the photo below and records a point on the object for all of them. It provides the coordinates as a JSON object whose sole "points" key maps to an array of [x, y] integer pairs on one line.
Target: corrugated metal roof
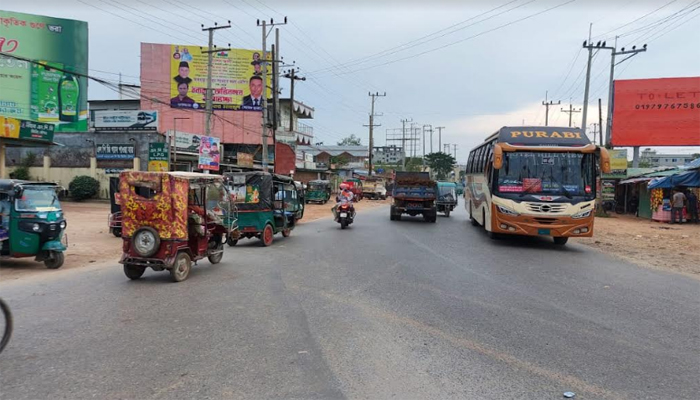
{"points": [[355, 151]]}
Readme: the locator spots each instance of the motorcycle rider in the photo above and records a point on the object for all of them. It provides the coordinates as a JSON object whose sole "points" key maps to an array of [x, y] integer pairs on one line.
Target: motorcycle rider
{"points": [[345, 196]]}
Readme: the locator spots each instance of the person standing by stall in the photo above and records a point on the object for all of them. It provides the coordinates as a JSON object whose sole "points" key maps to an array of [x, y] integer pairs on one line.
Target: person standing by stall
{"points": [[677, 203], [692, 206]]}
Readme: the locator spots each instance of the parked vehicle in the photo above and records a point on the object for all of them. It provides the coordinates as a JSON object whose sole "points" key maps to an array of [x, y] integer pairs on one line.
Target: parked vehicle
{"points": [[114, 221], [170, 219], [460, 188], [7, 330], [36, 222], [355, 186], [318, 191], [267, 204], [446, 197], [374, 188], [414, 194]]}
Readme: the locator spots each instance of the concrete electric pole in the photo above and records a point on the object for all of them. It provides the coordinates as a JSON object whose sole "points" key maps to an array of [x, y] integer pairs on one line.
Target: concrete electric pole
{"points": [[403, 142], [371, 128], [264, 62], [571, 112], [210, 60], [439, 128], [548, 104], [292, 76]]}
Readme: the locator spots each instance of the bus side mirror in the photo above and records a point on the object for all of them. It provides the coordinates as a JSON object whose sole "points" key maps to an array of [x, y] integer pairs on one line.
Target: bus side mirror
{"points": [[497, 157], [605, 161]]}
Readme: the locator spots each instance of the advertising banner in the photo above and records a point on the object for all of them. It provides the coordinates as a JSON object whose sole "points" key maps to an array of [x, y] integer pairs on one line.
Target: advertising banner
{"points": [[608, 191], [126, 120], [187, 142], [236, 79], [50, 87], [22, 129], [656, 112], [158, 157], [112, 151], [244, 159], [618, 164], [209, 153]]}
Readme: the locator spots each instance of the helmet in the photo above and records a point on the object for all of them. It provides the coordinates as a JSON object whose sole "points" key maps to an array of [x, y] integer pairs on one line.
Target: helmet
{"points": [[343, 186]]}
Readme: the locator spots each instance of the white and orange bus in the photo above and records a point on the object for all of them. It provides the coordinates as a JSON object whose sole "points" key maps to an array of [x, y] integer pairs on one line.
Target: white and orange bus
{"points": [[534, 181]]}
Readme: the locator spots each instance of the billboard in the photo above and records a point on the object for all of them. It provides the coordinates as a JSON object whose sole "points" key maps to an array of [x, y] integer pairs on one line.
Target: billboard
{"points": [[618, 164], [209, 153], [236, 79], [656, 112], [158, 157], [126, 120], [13, 128], [187, 142], [51, 87]]}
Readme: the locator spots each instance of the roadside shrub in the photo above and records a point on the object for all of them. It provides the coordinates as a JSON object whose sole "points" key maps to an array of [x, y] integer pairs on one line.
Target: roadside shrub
{"points": [[83, 188], [22, 172]]}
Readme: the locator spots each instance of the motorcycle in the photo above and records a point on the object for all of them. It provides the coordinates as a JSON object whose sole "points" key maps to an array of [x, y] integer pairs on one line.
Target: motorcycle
{"points": [[345, 214]]}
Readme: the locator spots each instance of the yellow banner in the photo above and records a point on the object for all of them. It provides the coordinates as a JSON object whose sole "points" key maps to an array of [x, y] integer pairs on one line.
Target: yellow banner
{"points": [[158, 166], [236, 79], [9, 128]]}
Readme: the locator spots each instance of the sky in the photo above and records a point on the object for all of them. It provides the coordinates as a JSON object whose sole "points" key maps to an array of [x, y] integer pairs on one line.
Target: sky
{"points": [[468, 66]]}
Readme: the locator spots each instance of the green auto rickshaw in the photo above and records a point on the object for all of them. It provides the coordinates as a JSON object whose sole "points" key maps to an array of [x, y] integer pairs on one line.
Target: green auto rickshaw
{"points": [[318, 191], [446, 197], [32, 223], [267, 204]]}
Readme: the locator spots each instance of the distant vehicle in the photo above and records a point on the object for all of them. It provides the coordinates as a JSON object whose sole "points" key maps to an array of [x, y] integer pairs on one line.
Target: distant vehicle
{"points": [[318, 191], [534, 181], [374, 188], [414, 194], [355, 187], [446, 197]]}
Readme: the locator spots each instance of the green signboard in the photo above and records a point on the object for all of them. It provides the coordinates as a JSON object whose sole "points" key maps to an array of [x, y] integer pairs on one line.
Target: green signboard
{"points": [[46, 83], [36, 131], [158, 157]]}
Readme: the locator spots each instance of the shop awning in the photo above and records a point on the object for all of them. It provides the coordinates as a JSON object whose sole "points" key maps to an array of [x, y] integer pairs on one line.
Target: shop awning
{"points": [[687, 179], [634, 180]]}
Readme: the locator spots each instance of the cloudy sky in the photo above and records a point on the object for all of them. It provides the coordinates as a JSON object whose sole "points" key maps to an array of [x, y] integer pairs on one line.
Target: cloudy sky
{"points": [[470, 66]]}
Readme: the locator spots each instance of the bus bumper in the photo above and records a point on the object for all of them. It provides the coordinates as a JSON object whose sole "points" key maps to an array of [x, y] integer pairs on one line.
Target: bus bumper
{"points": [[542, 226]]}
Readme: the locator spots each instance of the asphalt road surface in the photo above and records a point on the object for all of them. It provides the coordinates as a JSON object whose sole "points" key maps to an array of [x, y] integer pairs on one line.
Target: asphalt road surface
{"points": [[385, 309]]}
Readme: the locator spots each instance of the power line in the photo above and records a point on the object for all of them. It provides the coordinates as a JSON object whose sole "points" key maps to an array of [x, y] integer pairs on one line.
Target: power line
{"points": [[631, 22]]}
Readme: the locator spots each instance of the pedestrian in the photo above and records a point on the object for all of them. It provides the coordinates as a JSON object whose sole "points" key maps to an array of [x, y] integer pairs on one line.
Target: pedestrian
{"points": [[677, 203], [692, 206]]}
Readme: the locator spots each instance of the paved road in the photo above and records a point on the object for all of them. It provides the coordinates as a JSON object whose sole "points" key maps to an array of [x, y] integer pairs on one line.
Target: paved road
{"points": [[404, 310]]}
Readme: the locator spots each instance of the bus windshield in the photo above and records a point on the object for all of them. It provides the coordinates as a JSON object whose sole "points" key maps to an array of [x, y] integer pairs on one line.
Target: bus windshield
{"points": [[539, 173]]}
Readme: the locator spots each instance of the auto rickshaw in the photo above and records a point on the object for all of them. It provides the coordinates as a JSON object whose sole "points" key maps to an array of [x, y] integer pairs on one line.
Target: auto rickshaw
{"points": [[114, 221], [267, 204], [318, 191], [170, 219], [32, 223], [446, 197]]}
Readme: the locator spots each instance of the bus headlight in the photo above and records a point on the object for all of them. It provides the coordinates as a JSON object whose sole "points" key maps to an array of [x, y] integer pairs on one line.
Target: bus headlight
{"points": [[582, 214], [507, 211]]}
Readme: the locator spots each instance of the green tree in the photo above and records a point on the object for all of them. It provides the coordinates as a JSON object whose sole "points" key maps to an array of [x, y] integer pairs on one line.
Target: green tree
{"points": [[339, 161], [441, 164], [351, 140]]}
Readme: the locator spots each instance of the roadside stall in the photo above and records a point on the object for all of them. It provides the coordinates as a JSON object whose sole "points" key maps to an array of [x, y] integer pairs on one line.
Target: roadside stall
{"points": [[662, 191]]}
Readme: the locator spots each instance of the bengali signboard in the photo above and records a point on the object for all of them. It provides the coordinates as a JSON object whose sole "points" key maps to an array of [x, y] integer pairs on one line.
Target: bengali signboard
{"points": [[236, 79], [13, 128], [244, 159], [46, 82], [656, 112], [126, 120], [158, 157], [187, 142], [608, 189], [209, 153], [115, 151]]}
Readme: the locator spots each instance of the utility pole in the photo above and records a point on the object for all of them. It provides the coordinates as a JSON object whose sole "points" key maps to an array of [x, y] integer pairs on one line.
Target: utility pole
{"points": [[371, 128], [210, 60], [590, 46], [265, 117], [276, 59], [632, 53], [439, 128], [570, 111], [446, 148], [600, 120], [595, 131], [454, 146], [403, 142], [547, 105], [424, 145], [292, 76]]}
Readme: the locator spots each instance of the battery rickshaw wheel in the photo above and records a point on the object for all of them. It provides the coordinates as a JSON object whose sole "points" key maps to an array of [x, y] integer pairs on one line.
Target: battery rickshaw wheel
{"points": [[182, 267], [55, 261], [133, 272]]}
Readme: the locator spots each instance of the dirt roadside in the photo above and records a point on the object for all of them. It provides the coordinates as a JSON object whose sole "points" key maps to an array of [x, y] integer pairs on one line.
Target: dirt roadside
{"points": [[648, 244], [89, 240]]}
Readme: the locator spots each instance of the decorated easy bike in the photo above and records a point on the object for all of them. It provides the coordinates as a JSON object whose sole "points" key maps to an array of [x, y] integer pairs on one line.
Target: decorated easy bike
{"points": [[170, 219]]}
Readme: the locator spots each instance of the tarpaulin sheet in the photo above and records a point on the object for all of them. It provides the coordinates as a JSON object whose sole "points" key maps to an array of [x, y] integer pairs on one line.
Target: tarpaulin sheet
{"points": [[686, 179]]}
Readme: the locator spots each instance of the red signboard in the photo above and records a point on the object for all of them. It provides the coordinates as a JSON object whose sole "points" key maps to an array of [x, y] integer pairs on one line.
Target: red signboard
{"points": [[656, 112]]}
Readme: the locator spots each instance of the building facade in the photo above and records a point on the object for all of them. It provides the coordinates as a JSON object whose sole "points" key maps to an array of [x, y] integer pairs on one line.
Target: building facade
{"points": [[654, 159], [387, 155]]}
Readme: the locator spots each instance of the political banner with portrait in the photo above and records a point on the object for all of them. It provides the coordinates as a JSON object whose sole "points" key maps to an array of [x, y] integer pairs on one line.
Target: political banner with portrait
{"points": [[236, 79], [209, 153]]}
